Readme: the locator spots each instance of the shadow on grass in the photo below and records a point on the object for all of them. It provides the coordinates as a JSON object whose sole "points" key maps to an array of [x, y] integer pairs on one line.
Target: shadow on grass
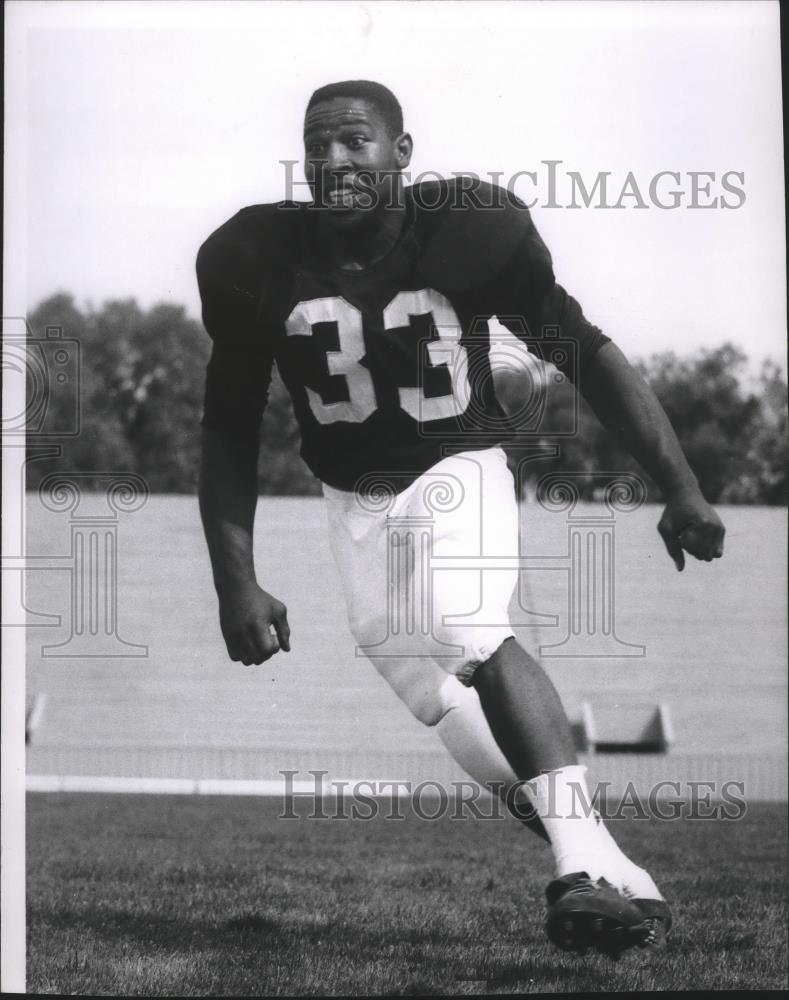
{"points": [[248, 931], [159, 930]]}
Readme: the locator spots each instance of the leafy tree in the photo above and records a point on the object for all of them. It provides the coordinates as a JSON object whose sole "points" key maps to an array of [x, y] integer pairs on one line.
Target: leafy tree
{"points": [[735, 440], [769, 450], [140, 391], [716, 418], [142, 380]]}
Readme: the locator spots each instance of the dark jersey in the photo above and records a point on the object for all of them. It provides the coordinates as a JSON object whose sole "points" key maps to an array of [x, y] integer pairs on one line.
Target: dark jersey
{"points": [[388, 367]]}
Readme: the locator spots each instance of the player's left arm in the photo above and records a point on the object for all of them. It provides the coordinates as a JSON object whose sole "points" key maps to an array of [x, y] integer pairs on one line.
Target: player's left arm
{"points": [[617, 393], [627, 406]]}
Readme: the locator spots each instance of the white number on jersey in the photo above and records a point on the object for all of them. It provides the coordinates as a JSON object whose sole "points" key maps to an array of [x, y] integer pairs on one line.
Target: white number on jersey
{"points": [[361, 393], [446, 351]]}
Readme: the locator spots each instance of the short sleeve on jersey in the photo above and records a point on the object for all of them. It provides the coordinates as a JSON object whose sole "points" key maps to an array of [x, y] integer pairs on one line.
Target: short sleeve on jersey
{"points": [[239, 370]]}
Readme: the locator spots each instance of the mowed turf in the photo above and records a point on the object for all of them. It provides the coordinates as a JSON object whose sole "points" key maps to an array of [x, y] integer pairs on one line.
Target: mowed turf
{"points": [[182, 895]]}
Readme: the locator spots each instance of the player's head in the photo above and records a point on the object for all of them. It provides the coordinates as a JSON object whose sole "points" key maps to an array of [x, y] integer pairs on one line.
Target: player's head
{"points": [[354, 149]]}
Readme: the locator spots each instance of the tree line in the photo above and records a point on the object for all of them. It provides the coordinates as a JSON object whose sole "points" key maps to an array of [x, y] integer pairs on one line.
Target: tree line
{"points": [[141, 377]]}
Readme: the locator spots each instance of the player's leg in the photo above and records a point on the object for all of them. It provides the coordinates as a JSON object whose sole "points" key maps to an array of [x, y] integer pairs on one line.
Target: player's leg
{"points": [[439, 700], [471, 614], [465, 733], [360, 549], [527, 718], [523, 708], [436, 698], [524, 711]]}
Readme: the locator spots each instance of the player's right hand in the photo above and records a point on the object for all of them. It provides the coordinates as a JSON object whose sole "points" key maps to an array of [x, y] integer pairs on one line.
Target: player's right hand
{"points": [[247, 615]]}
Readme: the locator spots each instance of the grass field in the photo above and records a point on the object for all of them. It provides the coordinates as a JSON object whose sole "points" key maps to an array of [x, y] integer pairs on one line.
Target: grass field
{"points": [[188, 895]]}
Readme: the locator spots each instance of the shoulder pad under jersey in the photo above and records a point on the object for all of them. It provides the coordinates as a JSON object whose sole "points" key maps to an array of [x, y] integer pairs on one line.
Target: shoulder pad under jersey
{"points": [[254, 241], [242, 262], [467, 229]]}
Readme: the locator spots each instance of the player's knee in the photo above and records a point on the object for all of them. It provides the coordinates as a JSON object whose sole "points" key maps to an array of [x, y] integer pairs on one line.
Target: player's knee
{"points": [[432, 705], [421, 685], [426, 707], [479, 647], [367, 629], [423, 696]]}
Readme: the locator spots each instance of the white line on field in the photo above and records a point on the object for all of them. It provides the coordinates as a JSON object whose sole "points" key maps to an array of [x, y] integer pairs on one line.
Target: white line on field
{"points": [[212, 786], [161, 786]]}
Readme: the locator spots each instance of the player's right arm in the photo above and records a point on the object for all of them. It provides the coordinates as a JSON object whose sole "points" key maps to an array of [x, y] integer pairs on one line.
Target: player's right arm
{"points": [[237, 380], [228, 497]]}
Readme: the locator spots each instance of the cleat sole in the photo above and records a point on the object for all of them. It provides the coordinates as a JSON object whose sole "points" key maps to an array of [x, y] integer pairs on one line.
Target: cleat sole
{"points": [[584, 915], [590, 931]]}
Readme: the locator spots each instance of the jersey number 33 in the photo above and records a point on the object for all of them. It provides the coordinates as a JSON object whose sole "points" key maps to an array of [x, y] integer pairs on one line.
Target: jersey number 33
{"points": [[446, 351]]}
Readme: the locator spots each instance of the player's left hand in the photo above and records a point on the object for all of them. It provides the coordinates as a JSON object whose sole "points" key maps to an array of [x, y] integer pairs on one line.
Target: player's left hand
{"points": [[690, 524]]}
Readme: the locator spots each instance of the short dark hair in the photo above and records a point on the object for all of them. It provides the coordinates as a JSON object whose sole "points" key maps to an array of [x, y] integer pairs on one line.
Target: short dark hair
{"points": [[382, 99]]}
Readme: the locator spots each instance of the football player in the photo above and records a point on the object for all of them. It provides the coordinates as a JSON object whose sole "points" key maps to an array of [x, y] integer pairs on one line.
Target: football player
{"points": [[373, 299]]}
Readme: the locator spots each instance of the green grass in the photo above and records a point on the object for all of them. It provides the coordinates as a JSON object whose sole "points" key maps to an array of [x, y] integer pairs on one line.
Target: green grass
{"points": [[146, 895]]}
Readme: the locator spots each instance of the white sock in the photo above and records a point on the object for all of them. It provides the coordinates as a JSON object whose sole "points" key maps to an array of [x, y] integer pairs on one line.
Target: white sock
{"points": [[584, 843], [631, 880], [561, 800], [465, 733]]}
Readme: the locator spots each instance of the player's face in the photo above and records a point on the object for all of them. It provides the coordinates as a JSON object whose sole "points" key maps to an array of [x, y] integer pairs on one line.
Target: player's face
{"points": [[351, 161]]}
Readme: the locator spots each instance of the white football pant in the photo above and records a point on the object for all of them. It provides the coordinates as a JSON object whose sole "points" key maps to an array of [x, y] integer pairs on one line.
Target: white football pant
{"points": [[427, 628]]}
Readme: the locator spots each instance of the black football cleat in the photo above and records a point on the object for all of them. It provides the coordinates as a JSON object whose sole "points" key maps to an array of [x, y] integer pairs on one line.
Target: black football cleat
{"points": [[584, 914], [656, 923]]}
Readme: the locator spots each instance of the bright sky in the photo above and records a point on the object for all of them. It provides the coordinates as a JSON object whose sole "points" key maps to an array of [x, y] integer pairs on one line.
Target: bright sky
{"points": [[133, 130]]}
